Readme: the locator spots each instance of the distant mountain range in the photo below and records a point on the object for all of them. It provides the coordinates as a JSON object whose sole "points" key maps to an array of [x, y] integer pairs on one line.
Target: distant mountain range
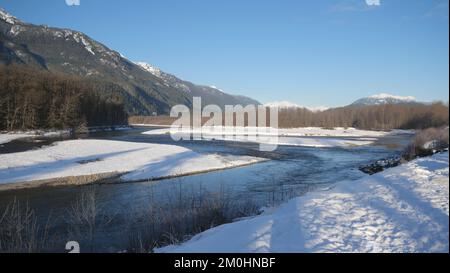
{"points": [[379, 99], [144, 88], [288, 105], [383, 98]]}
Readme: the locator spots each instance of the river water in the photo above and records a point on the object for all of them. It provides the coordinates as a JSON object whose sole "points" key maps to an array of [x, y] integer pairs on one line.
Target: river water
{"points": [[291, 171]]}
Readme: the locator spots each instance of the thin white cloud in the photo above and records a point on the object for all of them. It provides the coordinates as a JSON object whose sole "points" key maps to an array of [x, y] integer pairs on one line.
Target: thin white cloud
{"points": [[355, 5], [373, 2]]}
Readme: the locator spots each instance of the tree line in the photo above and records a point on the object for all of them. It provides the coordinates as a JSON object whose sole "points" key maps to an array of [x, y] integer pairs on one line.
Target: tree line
{"points": [[31, 99], [376, 117]]}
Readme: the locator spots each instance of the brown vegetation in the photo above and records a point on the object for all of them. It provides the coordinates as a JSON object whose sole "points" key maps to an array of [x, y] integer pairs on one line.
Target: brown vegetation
{"points": [[379, 117], [427, 142], [31, 99]]}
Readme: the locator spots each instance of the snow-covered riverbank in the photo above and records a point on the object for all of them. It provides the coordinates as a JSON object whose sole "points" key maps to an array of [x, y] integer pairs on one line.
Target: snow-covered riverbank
{"points": [[306, 137], [8, 137], [404, 209], [5, 138], [305, 131], [138, 161]]}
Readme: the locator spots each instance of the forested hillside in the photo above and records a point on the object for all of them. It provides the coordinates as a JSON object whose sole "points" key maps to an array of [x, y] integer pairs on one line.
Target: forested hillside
{"points": [[31, 99], [144, 91]]}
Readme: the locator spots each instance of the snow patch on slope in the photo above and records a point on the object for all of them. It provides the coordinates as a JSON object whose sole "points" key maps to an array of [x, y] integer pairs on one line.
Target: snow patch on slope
{"points": [[8, 18], [149, 68], [169, 80]]}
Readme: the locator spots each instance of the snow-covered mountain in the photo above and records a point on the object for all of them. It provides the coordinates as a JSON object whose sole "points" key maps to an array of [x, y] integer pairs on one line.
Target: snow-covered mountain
{"points": [[384, 98], [282, 104], [288, 104], [209, 94], [8, 18], [144, 88]]}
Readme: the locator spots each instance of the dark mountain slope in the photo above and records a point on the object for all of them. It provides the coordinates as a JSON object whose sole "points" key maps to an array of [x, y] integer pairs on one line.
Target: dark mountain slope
{"points": [[72, 52]]}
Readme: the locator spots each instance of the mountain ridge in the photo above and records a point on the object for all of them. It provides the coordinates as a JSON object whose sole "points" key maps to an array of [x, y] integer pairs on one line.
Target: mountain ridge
{"points": [[72, 52], [384, 98]]}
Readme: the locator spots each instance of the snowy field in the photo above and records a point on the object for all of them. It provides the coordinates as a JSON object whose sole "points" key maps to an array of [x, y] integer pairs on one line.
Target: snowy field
{"points": [[306, 137], [404, 209], [137, 160]]}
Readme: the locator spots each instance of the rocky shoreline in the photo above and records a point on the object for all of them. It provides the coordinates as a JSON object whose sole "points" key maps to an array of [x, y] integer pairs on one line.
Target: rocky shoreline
{"points": [[394, 161]]}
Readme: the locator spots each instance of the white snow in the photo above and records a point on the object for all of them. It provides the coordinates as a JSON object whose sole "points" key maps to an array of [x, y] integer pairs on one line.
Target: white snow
{"points": [[8, 137], [149, 68], [288, 104], [389, 96], [86, 157], [78, 37], [383, 98], [404, 209], [8, 18], [87, 45], [217, 88], [308, 136], [15, 30], [5, 138], [282, 104], [304, 131], [318, 142]]}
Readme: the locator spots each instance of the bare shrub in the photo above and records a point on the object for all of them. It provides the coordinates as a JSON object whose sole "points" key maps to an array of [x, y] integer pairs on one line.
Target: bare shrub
{"points": [[85, 217], [20, 231], [428, 141], [186, 213]]}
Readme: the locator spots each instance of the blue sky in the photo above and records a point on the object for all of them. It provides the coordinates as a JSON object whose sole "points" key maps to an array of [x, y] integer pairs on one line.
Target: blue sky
{"points": [[308, 52]]}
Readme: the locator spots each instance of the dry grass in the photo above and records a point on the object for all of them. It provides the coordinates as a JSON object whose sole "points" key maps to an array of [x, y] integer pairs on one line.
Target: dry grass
{"points": [[186, 213], [19, 230], [177, 214], [85, 218]]}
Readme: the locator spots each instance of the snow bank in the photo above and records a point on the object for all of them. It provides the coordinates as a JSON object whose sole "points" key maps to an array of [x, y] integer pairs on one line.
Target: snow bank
{"points": [[305, 131], [309, 136], [5, 138], [86, 157], [404, 209], [318, 142]]}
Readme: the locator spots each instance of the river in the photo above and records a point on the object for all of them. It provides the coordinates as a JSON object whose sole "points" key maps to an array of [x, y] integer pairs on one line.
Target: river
{"points": [[291, 171]]}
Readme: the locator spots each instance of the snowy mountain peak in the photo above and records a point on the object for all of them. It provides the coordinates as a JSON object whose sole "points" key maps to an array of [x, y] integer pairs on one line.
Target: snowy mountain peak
{"points": [[8, 18], [389, 96], [149, 68], [288, 104], [282, 104], [216, 88], [384, 98]]}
